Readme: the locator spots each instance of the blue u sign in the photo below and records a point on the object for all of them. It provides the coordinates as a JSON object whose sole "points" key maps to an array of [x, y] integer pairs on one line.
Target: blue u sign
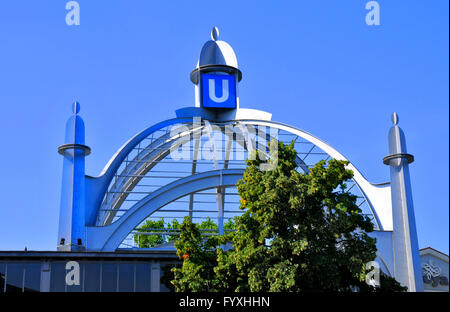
{"points": [[219, 91]]}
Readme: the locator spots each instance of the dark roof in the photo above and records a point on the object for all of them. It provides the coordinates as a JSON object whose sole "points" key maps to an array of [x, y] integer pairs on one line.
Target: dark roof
{"points": [[121, 254]]}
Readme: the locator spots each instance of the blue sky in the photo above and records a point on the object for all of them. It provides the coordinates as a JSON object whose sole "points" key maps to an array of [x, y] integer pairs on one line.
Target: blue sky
{"points": [[315, 65]]}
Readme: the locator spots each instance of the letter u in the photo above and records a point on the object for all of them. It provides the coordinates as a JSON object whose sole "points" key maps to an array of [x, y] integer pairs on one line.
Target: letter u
{"points": [[212, 91]]}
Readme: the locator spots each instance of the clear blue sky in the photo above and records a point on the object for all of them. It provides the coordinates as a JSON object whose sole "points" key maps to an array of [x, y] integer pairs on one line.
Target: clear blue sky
{"points": [[315, 65]]}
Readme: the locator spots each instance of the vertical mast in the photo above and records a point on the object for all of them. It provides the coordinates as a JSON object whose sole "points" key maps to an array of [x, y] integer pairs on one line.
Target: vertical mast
{"points": [[72, 218], [407, 269]]}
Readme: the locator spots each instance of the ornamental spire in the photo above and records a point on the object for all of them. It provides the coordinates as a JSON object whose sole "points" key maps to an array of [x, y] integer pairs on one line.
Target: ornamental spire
{"points": [[215, 34]]}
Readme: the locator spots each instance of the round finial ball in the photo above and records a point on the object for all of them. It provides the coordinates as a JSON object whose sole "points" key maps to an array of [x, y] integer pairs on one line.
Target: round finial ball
{"points": [[394, 118], [76, 107], [215, 33]]}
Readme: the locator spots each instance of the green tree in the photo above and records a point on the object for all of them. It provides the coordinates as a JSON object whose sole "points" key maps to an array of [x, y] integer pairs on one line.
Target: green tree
{"points": [[199, 268], [148, 241], [153, 229], [199, 258], [300, 232], [153, 235]]}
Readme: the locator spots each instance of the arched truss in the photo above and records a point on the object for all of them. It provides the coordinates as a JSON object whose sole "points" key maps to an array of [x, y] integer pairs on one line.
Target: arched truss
{"points": [[142, 180]]}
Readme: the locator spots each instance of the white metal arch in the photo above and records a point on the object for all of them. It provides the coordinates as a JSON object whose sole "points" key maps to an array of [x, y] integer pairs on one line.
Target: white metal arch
{"points": [[143, 163], [378, 196], [110, 236]]}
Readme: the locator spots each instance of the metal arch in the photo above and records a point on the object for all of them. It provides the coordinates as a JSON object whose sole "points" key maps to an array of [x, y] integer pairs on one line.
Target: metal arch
{"points": [[377, 196], [96, 187], [133, 175], [134, 172], [300, 162], [122, 183], [108, 238]]}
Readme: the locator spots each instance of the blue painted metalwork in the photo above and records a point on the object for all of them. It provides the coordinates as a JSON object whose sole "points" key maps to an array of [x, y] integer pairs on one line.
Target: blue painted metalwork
{"points": [[96, 186], [108, 238], [71, 234], [115, 163]]}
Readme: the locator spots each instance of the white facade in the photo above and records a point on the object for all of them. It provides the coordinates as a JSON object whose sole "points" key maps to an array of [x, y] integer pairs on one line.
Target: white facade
{"points": [[434, 270]]}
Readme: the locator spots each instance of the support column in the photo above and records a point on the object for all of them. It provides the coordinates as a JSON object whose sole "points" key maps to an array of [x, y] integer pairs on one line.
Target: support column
{"points": [[407, 267], [196, 132], [72, 218], [220, 198], [155, 277], [45, 276]]}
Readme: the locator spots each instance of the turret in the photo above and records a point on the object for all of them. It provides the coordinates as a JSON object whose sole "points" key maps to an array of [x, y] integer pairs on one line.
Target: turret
{"points": [[71, 233], [407, 268], [216, 75]]}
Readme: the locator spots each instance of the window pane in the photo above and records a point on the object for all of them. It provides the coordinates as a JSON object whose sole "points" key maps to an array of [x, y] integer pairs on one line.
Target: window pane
{"points": [[126, 277], [58, 277], [143, 277], [109, 277], [33, 276], [14, 277], [92, 277], [2, 276]]}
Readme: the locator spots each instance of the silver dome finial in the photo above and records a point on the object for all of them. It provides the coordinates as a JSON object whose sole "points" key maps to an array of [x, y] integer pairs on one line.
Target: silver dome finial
{"points": [[215, 33], [394, 118], [216, 53]]}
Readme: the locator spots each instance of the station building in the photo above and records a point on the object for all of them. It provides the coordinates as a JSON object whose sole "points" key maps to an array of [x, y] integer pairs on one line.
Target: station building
{"points": [[189, 166]]}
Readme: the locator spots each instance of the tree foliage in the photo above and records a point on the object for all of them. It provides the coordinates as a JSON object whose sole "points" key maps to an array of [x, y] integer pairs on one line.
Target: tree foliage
{"points": [[300, 232], [150, 234]]}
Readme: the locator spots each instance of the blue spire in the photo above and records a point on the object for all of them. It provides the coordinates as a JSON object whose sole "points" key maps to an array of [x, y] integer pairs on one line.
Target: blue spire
{"points": [[71, 234]]}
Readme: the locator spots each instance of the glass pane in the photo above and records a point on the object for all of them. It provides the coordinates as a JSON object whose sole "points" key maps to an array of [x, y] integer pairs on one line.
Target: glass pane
{"points": [[58, 277], [14, 277], [126, 277], [2, 276], [92, 277], [33, 276], [143, 277], [109, 277]]}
